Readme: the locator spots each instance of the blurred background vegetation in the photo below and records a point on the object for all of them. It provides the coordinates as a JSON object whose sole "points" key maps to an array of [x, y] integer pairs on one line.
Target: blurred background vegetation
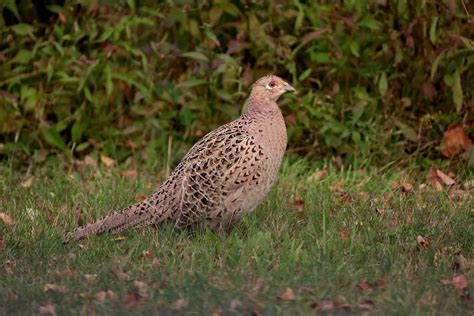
{"points": [[379, 80]]}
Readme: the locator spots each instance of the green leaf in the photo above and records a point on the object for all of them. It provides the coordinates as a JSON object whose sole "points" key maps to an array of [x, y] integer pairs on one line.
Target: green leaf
{"points": [[383, 84], [457, 91], [51, 136], [355, 48], [305, 74], [23, 56], [407, 131], [82, 147], [109, 85], [23, 29], [370, 23], [434, 66], [197, 56], [192, 83]]}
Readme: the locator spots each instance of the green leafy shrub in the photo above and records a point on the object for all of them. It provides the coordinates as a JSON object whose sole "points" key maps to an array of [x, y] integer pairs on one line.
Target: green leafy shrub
{"points": [[375, 78]]}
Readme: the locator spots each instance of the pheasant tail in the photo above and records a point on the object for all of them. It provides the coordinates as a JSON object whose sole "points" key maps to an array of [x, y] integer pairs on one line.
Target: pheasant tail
{"points": [[138, 214]]}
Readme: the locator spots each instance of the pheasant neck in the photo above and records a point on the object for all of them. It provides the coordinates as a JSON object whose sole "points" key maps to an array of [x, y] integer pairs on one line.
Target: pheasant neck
{"points": [[258, 105]]}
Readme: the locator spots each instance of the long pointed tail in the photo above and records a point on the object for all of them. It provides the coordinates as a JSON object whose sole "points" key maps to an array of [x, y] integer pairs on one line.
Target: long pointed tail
{"points": [[139, 214]]}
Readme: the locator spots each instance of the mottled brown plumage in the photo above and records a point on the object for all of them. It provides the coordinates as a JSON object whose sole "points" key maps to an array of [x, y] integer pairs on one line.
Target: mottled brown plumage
{"points": [[223, 176]]}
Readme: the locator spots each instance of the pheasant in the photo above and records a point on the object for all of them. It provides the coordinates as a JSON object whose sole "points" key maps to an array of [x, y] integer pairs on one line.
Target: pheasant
{"points": [[223, 176]]}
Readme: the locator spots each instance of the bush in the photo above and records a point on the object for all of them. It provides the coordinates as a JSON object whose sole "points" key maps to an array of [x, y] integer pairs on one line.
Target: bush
{"points": [[375, 78]]}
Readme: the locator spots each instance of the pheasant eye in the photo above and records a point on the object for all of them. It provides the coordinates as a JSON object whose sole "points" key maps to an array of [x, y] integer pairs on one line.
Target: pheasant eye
{"points": [[272, 84]]}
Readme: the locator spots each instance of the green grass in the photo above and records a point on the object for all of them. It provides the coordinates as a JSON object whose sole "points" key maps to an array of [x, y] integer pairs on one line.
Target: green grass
{"points": [[322, 252]]}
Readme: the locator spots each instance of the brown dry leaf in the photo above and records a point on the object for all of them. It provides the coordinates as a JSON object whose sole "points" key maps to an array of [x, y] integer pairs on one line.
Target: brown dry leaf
{"points": [[314, 305], [49, 287], [142, 288], [459, 284], [344, 234], [179, 304], [118, 238], [287, 295], [380, 283], [107, 161], [235, 304], [47, 309], [28, 182], [461, 262], [129, 173], [327, 305], [364, 286], [455, 141], [317, 175], [406, 187], [446, 179], [90, 277], [118, 272], [367, 304], [340, 302], [438, 179], [108, 294], [423, 242], [6, 219], [89, 161], [130, 299], [217, 312], [298, 203]]}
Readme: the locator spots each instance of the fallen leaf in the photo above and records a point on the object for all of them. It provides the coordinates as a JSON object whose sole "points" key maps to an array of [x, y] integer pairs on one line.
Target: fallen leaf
{"points": [[423, 242], [118, 272], [106, 294], [142, 288], [6, 219], [314, 305], [318, 175], [131, 299], [129, 173], [327, 305], [62, 17], [461, 263], [428, 90], [344, 234], [459, 284], [49, 287], [364, 287], [438, 179], [47, 309], [89, 161], [217, 312], [28, 182], [340, 302], [367, 304], [455, 141], [298, 203], [235, 304], [407, 187], [107, 161], [287, 295], [179, 304], [91, 277], [380, 283]]}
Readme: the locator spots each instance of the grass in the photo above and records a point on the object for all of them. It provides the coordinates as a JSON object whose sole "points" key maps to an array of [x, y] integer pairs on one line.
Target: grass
{"points": [[347, 242]]}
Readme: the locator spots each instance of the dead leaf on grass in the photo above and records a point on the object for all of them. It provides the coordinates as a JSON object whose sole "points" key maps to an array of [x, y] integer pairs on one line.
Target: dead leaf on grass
{"points": [[455, 141], [128, 173], [106, 294], [439, 179], [118, 272], [327, 305], [179, 304], [235, 304], [423, 242], [46, 309], [314, 305], [364, 287], [89, 161], [298, 203], [317, 175], [366, 304], [344, 234], [461, 263], [107, 161], [91, 277], [142, 288], [459, 284], [6, 219], [287, 295], [28, 182], [50, 287], [131, 299], [340, 302]]}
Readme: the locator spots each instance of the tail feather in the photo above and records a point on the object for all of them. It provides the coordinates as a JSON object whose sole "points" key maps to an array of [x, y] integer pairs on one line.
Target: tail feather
{"points": [[130, 217]]}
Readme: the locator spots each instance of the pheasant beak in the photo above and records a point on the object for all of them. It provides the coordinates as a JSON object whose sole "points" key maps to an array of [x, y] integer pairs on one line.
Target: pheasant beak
{"points": [[289, 88]]}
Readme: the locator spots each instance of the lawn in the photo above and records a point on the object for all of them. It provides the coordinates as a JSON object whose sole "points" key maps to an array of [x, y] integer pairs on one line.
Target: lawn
{"points": [[342, 240]]}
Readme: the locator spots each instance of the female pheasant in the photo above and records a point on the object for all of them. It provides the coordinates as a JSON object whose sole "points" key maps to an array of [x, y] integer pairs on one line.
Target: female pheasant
{"points": [[224, 175]]}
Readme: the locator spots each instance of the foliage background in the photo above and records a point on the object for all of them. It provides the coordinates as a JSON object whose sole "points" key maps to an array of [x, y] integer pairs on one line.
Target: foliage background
{"points": [[382, 79]]}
